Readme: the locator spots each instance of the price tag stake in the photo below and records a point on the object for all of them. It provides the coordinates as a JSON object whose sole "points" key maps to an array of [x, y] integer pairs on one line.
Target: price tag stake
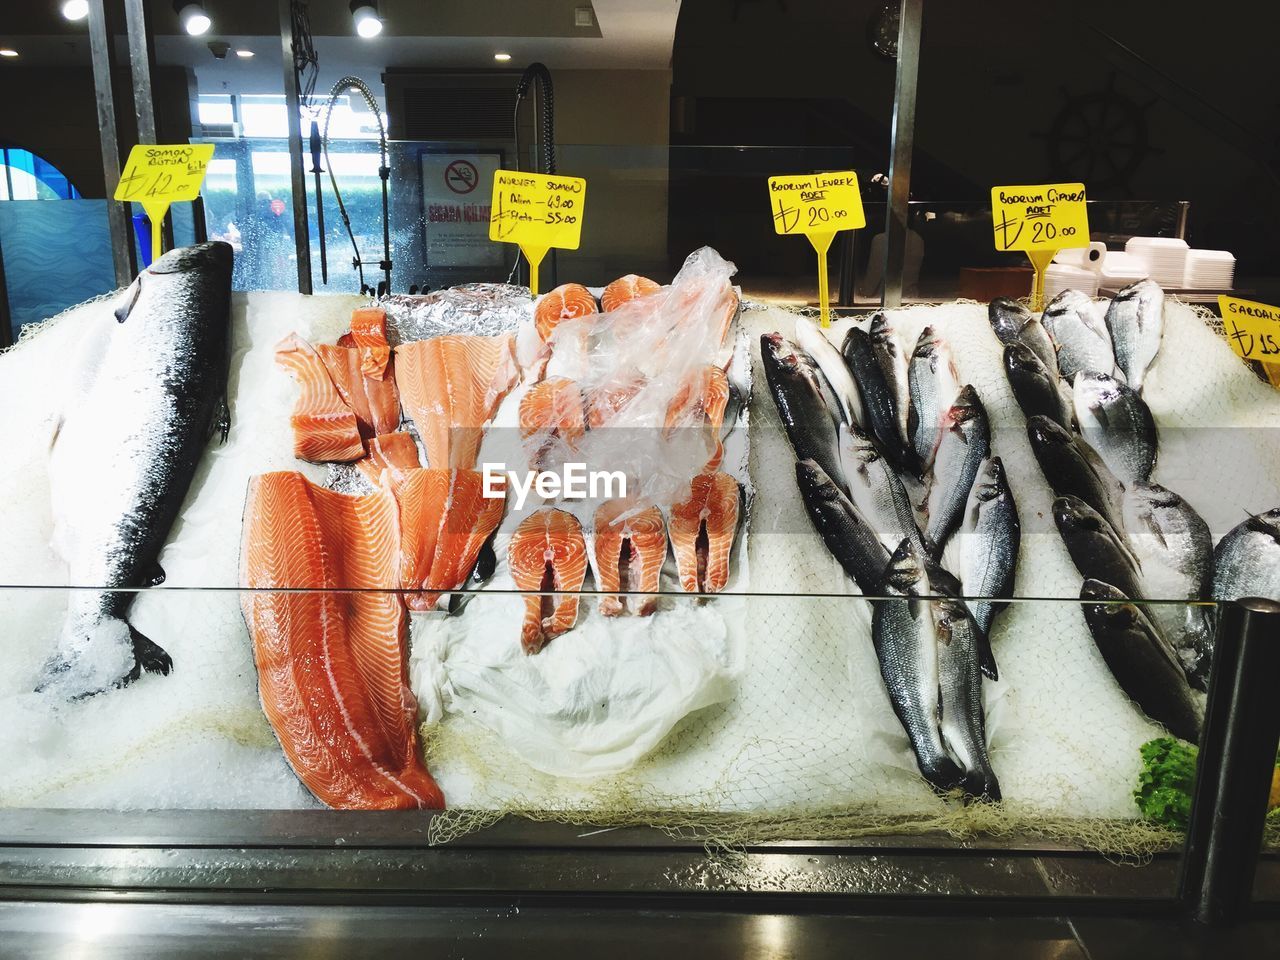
{"points": [[536, 212], [156, 175], [819, 206], [1040, 220]]}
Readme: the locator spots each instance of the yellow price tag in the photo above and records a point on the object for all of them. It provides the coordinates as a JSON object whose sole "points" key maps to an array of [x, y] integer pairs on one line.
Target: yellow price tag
{"points": [[537, 212], [155, 175], [1252, 329], [1040, 219], [818, 205]]}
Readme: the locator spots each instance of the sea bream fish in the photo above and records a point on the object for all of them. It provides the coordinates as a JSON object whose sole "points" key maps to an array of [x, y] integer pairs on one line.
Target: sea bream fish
{"points": [[154, 384], [965, 443], [1079, 334], [1014, 323], [1174, 549], [906, 644], [933, 385], [876, 489], [1135, 320], [843, 530], [815, 343], [879, 398], [1036, 388], [984, 551], [805, 404], [1140, 660], [1117, 423], [1246, 562], [1071, 468], [1097, 550]]}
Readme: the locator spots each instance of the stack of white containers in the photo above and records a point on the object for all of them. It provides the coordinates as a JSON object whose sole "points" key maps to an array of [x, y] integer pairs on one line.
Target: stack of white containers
{"points": [[1165, 258], [1210, 270]]}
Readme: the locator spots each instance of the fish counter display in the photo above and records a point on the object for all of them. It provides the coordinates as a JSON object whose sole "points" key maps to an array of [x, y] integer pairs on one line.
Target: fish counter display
{"points": [[697, 645]]}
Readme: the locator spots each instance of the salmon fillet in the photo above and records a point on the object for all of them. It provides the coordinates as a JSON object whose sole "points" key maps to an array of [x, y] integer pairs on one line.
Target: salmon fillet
{"points": [[369, 327], [332, 666], [550, 412], [444, 520], [547, 552], [396, 452], [566, 302], [324, 427], [607, 400], [702, 528], [450, 387], [700, 404], [630, 548], [626, 289], [361, 381]]}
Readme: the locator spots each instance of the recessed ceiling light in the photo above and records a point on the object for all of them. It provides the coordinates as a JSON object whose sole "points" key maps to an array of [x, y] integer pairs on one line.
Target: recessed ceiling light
{"points": [[244, 54], [75, 9], [8, 52], [504, 57]]}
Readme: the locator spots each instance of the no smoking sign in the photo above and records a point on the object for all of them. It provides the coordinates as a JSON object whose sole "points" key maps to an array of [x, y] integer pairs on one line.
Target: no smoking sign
{"points": [[461, 176]]}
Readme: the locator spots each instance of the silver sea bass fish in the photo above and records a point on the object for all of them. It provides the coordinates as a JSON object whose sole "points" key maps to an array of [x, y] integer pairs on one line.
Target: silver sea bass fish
{"points": [[876, 490], [1117, 424], [934, 384], [815, 343], [965, 443], [153, 378], [1135, 320], [1079, 334]]}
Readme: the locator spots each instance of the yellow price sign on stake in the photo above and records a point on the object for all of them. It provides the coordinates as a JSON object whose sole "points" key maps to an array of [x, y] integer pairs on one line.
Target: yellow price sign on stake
{"points": [[155, 175], [1253, 332], [1040, 219], [537, 212], [819, 206]]}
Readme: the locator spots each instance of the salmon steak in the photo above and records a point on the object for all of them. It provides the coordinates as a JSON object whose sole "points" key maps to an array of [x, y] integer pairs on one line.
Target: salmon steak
{"points": [[702, 528], [450, 386], [629, 548], [566, 302], [445, 519], [396, 452], [606, 400], [324, 428], [362, 382], [551, 411], [548, 553], [625, 289], [700, 404], [332, 665]]}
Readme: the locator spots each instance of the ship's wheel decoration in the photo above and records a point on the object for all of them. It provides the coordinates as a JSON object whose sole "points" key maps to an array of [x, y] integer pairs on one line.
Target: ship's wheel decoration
{"points": [[1099, 138]]}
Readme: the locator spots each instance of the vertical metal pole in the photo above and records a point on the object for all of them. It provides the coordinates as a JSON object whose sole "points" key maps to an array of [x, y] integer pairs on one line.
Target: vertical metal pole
{"points": [[140, 69], [904, 123], [1236, 764], [6, 318], [1184, 211], [117, 218], [297, 172]]}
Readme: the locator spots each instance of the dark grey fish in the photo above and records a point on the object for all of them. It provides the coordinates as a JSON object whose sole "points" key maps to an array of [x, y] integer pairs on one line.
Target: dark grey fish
{"points": [[1117, 423], [1097, 550], [1246, 561], [125, 454], [1141, 662], [842, 528], [1035, 386], [906, 644], [894, 364], [1175, 551], [986, 547], [1079, 334], [965, 443], [933, 385], [801, 395], [1069, 469], [879, 399], [1014, 323], [815, 343], [1135, 320], [876, 489], [963, 723]]}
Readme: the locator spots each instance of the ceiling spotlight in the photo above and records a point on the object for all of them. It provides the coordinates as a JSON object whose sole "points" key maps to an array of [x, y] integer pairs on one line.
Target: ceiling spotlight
{"points": [[365, 15], [192, 16], [8, 52], [244, 54], [502, 57], [75, 9]]}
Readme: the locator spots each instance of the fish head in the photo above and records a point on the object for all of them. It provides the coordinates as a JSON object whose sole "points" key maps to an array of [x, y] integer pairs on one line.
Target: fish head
{"points": [[1045, 434], [905, 573], [815, 483], [1145, 291], [1068, 301], [1267, 523], [201, 273], [966, 411], [214, 257], [1007, 318], [879, 329], [990, 481], [1097, 591], [948, 614], [1021, 359], [1094, 390], [1074, 517], [860, 447]]}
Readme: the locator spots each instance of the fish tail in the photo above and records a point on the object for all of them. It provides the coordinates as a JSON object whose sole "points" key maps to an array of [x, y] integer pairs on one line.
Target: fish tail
{"points": [[149, 656]]}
